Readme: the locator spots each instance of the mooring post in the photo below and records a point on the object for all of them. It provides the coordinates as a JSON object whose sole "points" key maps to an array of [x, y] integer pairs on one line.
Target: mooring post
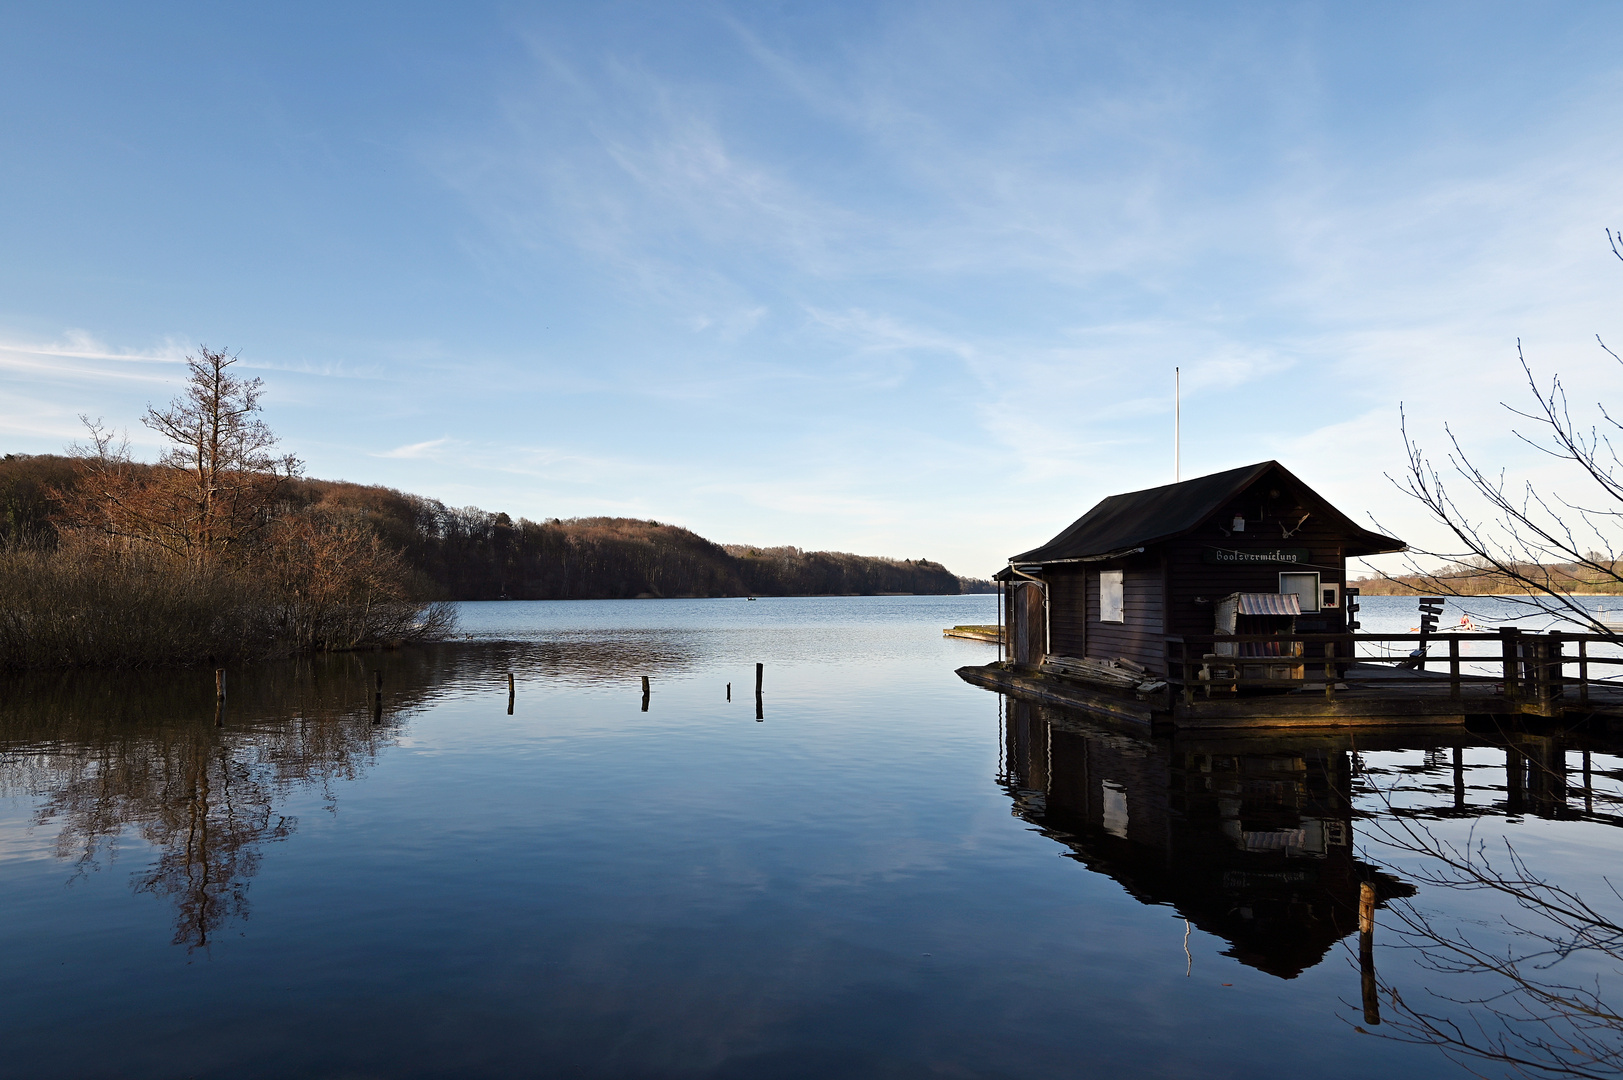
{"points": [[645, 684], [1454, 668], [1510, 649], [1583, 671], [758, 670], [1555, 673], [219, 713], [1366, 953], [219, 684], [729, 691], [510, 693]]}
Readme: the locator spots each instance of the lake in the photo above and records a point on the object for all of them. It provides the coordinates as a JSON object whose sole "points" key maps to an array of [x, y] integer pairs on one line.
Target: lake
{"points": [[880, 871]]}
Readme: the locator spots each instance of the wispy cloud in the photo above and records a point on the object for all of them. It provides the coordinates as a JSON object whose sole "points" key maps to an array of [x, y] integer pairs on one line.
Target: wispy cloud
{"points": [[433, 448]]}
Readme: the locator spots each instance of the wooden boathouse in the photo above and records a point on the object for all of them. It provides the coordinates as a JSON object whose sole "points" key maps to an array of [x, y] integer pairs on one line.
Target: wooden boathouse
{"points": [[1148, 564], [1222, 601]]}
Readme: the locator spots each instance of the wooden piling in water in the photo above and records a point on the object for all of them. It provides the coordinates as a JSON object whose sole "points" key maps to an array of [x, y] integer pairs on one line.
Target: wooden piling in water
{"points": [[758, 670], [729, 691], [510, 692], [1366, 954], [377, 697], [645, 684], [219, 684]]}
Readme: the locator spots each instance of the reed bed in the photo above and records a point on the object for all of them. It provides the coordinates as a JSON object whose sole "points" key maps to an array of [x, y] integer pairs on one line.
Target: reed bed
{"points": [[81, 607]]}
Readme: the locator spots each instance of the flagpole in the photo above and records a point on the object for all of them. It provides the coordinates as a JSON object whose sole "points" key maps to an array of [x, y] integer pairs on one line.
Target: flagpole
{"points": [[1177, 425]]}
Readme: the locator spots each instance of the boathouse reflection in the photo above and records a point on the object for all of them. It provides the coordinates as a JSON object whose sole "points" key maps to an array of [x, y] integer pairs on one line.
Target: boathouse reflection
{"points": [[1250, 840]]}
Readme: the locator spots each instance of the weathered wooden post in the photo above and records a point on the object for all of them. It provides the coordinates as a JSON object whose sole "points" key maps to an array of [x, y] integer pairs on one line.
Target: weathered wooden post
{"points": [[1583, 671], [1555, 677], [1510, 656], [377, 697], [759, 668], [645, 688], [1189, 676], [729, 691], [1366, 953], [511, 691], [219, 684]]}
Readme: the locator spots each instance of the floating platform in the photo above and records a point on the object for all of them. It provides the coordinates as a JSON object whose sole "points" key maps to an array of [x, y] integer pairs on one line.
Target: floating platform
{"points": [[1367, 695], [991, 634]]}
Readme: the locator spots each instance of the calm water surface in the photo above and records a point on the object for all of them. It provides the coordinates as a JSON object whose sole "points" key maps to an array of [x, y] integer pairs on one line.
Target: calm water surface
{"points": [[890, 873]]}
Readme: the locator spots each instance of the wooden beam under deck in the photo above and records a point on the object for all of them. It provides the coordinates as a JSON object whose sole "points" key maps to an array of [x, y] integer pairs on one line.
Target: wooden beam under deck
{"points": [[1370, 697]]}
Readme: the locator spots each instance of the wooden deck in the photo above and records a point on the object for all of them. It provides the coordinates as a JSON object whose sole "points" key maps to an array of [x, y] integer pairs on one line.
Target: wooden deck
{"points": [[1538, 675], [992, 634]]}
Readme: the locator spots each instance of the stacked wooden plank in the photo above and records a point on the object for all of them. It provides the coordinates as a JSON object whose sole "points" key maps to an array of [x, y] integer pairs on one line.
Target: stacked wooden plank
{"points": [[1118, 674]]}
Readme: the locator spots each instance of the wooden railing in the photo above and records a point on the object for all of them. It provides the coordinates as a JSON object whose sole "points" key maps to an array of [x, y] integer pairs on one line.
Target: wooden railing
{"points": [[1530, 669]]}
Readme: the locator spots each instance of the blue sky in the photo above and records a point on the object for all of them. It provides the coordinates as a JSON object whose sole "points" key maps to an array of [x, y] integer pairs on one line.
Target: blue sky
{"points": [[903, 279]]}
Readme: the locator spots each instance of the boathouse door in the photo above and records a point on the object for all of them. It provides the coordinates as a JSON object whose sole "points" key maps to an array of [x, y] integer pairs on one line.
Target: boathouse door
{"points": [[1028, 624]]}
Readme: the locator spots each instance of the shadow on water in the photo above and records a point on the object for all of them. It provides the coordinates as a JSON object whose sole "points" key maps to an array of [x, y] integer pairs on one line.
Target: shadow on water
{"points": [[109, 756], [1251, 844], [1255, 840]]}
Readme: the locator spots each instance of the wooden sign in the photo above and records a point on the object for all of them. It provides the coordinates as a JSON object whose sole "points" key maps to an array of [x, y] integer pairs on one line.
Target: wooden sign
{"points": [[1254, 556]]}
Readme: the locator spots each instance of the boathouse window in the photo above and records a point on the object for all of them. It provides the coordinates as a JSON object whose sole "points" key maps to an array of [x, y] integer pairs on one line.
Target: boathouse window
{"points": [[1305, 586], [1110, 605]]}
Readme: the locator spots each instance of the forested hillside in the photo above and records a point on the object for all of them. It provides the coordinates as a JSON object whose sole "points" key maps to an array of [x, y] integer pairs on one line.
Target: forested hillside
{"points": [[472, 554]]}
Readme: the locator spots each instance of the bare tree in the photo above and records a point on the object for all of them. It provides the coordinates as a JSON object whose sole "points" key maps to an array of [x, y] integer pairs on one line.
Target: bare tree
{"points": [[1515, 536], [212, 492]]}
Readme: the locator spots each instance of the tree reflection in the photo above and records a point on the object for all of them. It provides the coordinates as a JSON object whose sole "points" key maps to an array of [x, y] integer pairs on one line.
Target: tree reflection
{"points": [[115, 756], [109, 759], [1527, 993]]}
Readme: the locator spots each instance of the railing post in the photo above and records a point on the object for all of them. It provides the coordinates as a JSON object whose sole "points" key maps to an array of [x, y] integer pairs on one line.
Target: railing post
{"points": [[1454, 668], [1555, 676], [1188, 674], [1509, 645], [1583, 671]]}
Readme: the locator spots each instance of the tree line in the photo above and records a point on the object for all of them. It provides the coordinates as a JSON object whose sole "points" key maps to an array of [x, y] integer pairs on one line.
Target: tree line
{"points": [[465, 553]]}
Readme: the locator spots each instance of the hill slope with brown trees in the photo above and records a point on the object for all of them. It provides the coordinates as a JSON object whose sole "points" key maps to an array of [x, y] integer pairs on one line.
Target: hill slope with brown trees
{"points": [[471, 554]]}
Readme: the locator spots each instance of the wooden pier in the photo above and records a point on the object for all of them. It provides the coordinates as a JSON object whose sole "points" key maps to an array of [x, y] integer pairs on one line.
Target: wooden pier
{"points": [[991, 633], [1335, 680]]}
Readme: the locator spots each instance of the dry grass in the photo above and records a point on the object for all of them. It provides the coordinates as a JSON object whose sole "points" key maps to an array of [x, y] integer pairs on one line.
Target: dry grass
{"points": [[76, 606]]}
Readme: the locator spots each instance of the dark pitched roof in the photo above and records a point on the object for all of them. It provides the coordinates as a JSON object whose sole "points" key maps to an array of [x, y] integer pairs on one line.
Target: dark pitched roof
{"points": [[1140, 518]]}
